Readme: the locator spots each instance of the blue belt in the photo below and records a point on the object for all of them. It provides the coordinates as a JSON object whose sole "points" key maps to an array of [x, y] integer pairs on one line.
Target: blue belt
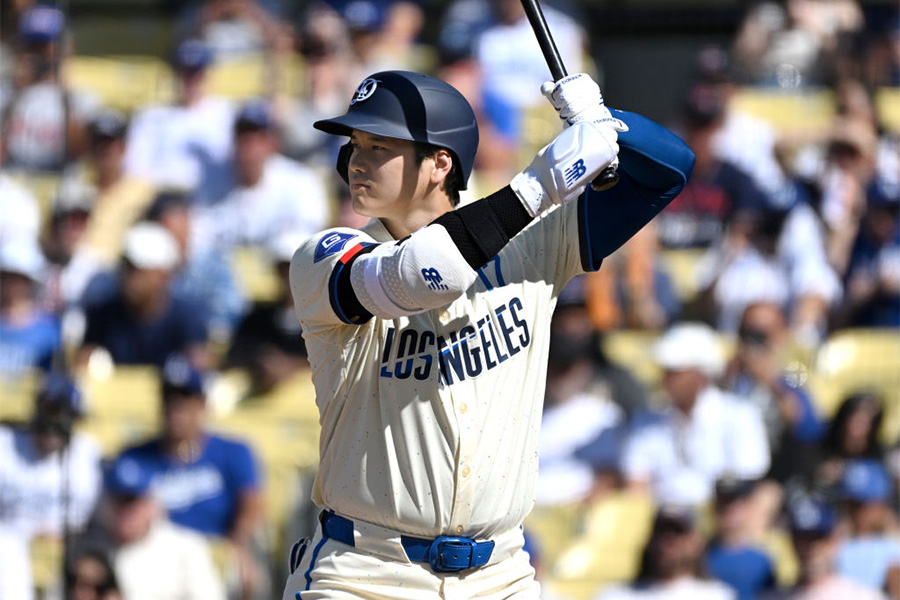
{"points": [[445, 554]]}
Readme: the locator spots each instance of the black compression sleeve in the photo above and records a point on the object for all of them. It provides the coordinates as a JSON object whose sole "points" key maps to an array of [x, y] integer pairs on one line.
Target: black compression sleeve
{"points": [[343, 298], [482, 228]]}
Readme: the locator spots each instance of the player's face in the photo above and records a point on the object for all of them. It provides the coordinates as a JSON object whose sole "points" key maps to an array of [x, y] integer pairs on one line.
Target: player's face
{"points": [[385, 180]]}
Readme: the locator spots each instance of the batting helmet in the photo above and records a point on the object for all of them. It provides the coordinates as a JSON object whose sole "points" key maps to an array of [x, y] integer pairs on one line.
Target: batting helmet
{"points": [[410, 106]]}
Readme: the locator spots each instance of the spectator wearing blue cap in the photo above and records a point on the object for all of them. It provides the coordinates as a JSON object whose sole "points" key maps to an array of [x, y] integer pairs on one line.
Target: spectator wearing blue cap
{"points": [[42, 119], [205, 482], [50, 475], [870, 554], [261, 194], [732, 555], [174, 146], [154, 558], [813, 532]]}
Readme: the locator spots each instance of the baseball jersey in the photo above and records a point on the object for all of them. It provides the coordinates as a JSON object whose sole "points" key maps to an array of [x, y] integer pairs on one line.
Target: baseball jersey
{"points": [[430, 422]]}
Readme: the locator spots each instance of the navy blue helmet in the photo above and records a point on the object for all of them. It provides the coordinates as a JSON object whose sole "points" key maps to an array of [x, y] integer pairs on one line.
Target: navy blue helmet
{"points": [[410, 106]]}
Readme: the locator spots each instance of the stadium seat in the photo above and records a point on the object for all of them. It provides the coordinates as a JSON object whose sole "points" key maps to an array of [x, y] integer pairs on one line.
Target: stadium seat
{"points": [[616, 528], [46, 562], [17, 397], [788, 110], [855, 360], [123, 82], [630, 349], [252, 77], [887, 104], [681, 265], [254, 273]]}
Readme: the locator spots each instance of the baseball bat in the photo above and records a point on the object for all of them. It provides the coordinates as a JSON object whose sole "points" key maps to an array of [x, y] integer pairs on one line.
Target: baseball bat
{"points": [[608, 177]]}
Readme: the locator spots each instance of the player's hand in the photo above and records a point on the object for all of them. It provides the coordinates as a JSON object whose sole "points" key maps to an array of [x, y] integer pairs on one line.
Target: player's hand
{"points": [[577, 98], [562, 169]]}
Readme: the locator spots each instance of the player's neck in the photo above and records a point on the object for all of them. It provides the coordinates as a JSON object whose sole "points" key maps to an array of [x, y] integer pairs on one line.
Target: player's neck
{"points": [[417, 216]]}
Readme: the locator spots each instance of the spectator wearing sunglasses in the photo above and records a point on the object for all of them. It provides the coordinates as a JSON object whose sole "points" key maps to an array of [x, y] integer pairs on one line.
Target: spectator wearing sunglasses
{"points": [[761, 374]]}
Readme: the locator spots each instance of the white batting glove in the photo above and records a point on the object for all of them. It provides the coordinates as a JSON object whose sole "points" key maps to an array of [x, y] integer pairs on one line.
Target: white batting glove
{"points": [[578, 98], [562, 169]]}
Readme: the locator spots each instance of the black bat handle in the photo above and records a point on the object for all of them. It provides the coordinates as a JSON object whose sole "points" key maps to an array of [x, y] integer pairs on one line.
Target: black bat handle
{"points": [[608, 177]]}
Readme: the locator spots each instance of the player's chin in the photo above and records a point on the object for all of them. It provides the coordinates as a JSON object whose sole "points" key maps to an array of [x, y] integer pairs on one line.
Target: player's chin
{"points": [[363, 204]]}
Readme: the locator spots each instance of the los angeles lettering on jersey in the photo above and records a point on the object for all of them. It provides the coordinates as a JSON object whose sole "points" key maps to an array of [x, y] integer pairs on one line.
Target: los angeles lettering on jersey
{"points": [[464, 353]]}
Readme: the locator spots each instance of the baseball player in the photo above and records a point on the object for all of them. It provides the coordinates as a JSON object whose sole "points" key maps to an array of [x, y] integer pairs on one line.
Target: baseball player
{"points": [[427, 332]]}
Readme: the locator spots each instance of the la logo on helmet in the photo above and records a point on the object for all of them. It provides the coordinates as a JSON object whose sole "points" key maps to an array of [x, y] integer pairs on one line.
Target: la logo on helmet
{"points": [[365, 90]]}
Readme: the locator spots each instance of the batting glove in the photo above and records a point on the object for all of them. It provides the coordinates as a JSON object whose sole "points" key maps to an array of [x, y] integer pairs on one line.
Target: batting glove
{"points": [[578, 98], [562, 169]]}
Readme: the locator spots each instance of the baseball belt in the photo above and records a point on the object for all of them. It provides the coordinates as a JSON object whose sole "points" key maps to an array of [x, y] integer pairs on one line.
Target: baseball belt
{"points": [[444, 554]]}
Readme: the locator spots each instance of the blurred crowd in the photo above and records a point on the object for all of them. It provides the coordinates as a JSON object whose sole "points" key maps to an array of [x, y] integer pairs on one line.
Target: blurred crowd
{"points": [[135, 254]]}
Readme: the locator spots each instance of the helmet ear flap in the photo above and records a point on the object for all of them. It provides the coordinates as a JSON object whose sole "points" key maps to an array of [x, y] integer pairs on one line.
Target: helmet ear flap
{"points": [[343, 162]]}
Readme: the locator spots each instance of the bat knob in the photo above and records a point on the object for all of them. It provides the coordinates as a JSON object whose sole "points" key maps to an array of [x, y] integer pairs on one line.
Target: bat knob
{"points": [[608, 178]]}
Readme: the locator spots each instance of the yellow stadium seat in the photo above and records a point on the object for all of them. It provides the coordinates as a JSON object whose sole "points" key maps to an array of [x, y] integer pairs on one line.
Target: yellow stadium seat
{"points": [[553, 528], [255, 274], [631, 349], [777, 544], [17, 397], [129, 393], [277, 441], [681, 265], [855, 360], [789, 111], [123, 82], [887, 104], [46, 562], [256, 76], [616, 527]]}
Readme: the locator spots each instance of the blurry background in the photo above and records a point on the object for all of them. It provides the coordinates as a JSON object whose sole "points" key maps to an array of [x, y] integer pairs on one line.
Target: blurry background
{"points": [[723, 397]]}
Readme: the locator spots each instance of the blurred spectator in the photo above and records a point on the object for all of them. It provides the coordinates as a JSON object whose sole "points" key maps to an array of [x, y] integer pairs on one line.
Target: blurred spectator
{"points": [[20, 214], [66, 228], [741, 139], [264, 195], [42, 118], [29, 337], [773, 253], [118, 200], [732, 556], [634, 290], [759, 373], [852, 434], [144, 322], [15, 568], [382, 32], [174, 146], [268, 342], [235, 28], [205, 482], [870, 554], [815, 540], [578, 409], [796, 42], [50, 475], [873, 274], [702, 434], [717, 188], [330, 75], [155, 559], [89, 575], [512, 65], [204, 275], [671, 564]]}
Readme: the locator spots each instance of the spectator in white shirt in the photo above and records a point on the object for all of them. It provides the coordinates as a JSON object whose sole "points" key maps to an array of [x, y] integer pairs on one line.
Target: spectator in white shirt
{"points": [[49, 475], [263, 194], [703, 434], [155, 559], [671, 564], [175, 146], [15, 568]]}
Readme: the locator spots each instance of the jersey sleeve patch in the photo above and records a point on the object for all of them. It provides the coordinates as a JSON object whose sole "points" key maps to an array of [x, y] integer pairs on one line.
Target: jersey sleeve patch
{"points": [[331, 244]]}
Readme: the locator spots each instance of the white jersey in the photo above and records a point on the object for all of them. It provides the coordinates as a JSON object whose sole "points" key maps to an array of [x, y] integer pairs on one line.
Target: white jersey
{"points": [[430, 423], [289, 198], [20, 216], [174, 146], [35, 124], [31, 486]]}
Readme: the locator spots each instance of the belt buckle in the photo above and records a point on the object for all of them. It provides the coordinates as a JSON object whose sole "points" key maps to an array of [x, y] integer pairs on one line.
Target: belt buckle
{"points": [[449, 554]]}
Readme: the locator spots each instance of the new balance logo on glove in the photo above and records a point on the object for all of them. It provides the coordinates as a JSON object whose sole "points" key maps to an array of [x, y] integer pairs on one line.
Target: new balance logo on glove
{"points": [[574, 172], [434, 279]]}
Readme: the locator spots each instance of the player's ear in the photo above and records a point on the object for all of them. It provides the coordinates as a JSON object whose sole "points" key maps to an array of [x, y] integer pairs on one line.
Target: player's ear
{"points": [[343, 161], [443, 162]]}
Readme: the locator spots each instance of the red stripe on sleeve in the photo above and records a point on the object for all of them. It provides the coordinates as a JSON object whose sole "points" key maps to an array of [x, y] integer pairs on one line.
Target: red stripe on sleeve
{"points": [[351, 253]]}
